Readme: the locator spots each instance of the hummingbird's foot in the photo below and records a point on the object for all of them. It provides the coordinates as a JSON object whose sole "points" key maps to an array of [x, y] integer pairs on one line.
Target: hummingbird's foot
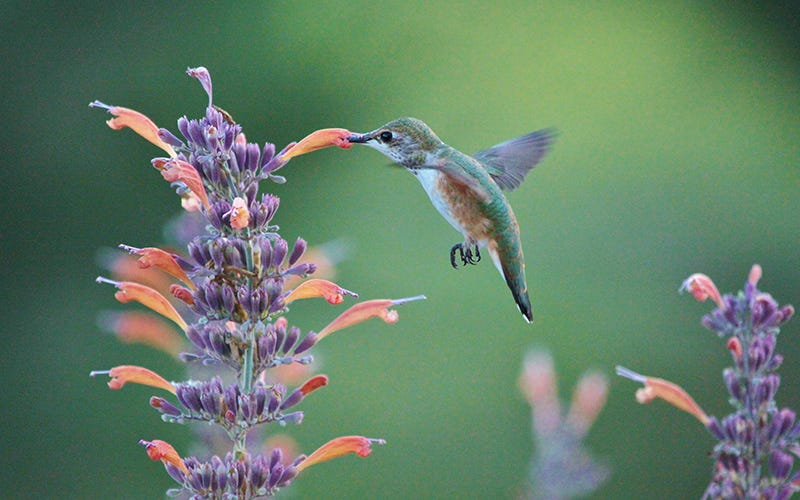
{"points": [[466, 255]]}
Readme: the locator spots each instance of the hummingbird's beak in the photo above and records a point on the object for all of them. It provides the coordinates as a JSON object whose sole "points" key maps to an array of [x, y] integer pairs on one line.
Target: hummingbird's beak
{"points": [[359, 138]]}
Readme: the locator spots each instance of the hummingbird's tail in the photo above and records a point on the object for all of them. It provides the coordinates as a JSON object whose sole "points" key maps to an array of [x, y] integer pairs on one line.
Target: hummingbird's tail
{"points": [[523, 302], [513, 271]]}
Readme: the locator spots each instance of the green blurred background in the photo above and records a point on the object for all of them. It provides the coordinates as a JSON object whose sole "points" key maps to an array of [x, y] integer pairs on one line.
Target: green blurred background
{"points": [[678, 152]]}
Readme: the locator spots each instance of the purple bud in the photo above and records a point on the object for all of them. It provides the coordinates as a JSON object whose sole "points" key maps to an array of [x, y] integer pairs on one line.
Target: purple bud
{"points": [[291, 337], [168, 137], [266, 253], [279, 251], [275, 474], [714, 428], [199, 251], [293, 418], [210, 403], [306, 344], [183, 126], [780, 463], [229, 299], [267, 154], [252, 158], [188, 397], [165, 406], [766, 389], [297, 251], [175, 473], [260, 399], [294, 398]]}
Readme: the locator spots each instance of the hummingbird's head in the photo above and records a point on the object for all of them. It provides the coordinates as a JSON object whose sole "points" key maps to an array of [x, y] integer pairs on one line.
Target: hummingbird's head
{"points": [[407, 141]]}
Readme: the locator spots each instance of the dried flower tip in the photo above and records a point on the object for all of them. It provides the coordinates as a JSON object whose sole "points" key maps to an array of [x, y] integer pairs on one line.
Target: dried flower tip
{"points": [[239, 214], [139, 123], [177, 170], [161, 450], [669, 392], [143, 328], [128, 291], [319, 139], [161, 259], [202, 74], [121, 375], [363, 311], [702, 288], [182, 294], [332, 292], [335, 448]]}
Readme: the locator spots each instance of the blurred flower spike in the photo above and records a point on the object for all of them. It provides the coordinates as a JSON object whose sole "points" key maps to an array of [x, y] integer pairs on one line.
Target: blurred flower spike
{"points": [[757, 441], [236, 276], [561, 467], [663, 389]]}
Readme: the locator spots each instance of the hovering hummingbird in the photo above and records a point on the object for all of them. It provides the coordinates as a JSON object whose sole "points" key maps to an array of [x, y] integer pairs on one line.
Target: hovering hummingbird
{"points": [[467, 191]]}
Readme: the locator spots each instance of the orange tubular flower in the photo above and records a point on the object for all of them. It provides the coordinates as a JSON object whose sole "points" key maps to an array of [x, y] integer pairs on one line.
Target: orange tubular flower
{"points": [[161, 259], [363, 311], [128, 291], [332, 292], [319, 139], [139, 123], [162, 450], [340, 446], [240, 214], [121, 375], [176, 170], [702, 288], [666, 390]]}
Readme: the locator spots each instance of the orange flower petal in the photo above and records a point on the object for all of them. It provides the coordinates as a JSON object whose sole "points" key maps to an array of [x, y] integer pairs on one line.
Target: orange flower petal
{"points": [[121, 375], [177, 170], [131, 291], [162, 450], [136, 121], [319, 139], [702, 288], [313, 384], [332, 292], [151, 256], [363, 311], [340, 446], [666, 390], [144, 328]]}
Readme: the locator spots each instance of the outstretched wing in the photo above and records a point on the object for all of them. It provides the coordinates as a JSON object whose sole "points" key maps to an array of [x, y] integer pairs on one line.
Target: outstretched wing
{"points": [[509, 162]]}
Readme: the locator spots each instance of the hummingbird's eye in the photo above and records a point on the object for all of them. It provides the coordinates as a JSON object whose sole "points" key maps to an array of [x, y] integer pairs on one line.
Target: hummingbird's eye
{"points": [[386, 136]]}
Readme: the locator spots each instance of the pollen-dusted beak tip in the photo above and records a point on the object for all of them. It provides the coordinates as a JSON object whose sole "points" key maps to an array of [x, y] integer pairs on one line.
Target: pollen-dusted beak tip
{"points": [[359, 138]]}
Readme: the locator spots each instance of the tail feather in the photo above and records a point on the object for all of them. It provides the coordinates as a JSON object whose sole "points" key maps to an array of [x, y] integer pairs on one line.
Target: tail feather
{"points": [[523, 303], [516, 283]]}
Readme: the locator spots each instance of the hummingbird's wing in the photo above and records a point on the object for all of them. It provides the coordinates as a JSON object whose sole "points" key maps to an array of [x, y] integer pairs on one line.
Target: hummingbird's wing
{"points": [[509, 162]]}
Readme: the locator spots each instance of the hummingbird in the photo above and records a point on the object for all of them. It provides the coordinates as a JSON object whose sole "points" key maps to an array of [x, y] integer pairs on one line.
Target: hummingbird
{"points": [[468, 191]]}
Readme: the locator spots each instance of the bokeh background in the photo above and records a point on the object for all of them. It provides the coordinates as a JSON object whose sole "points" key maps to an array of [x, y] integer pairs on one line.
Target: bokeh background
{"points": [[678, 152]]}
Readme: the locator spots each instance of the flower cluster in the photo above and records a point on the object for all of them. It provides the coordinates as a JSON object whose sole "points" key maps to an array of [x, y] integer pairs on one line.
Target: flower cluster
{"points": [[561, 467], [229, 294], [757, 443]]}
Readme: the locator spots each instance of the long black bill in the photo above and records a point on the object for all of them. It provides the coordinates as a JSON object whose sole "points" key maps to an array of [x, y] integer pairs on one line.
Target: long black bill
{"points": [[359, 138]]}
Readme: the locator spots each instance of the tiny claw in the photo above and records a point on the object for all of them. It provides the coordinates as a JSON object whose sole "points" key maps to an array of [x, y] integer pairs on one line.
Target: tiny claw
{"points": [[456, 247]]}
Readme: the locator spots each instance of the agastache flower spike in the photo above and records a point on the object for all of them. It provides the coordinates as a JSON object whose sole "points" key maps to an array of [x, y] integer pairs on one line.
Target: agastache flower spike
{"points": [[139, 123]]}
